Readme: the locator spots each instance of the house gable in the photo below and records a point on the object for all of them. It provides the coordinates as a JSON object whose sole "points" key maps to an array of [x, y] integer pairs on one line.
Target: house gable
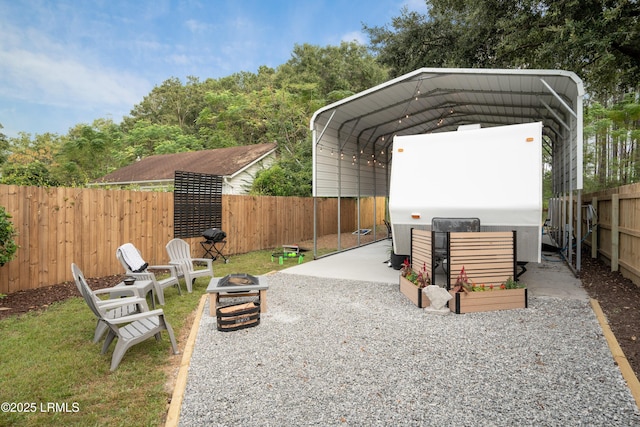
{"points": [[233, 162]]}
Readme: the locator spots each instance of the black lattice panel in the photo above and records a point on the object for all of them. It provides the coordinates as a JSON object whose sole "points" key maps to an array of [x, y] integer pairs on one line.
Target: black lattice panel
{"points": [[197, 203]]}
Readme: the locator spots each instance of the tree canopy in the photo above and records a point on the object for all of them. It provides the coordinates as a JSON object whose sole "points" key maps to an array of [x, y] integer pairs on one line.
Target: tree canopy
{"points": [[599, 40]]}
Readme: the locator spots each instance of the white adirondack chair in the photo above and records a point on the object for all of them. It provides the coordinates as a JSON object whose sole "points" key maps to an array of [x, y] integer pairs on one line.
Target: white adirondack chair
{"points": [[113, 308], [180, 255], [129, 330], [147, 272]]}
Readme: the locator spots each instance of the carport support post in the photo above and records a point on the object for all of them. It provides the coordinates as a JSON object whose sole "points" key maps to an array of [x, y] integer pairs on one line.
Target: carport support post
{"points": [[315, 227], [339, 206], [358, 217], [570, 230], [339, 222], [579, 237], [359, 195], [594, 233]]}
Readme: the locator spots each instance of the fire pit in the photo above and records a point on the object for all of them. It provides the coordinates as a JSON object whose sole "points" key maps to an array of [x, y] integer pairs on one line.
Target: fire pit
{"points": [[238, 280], [237, 285]]}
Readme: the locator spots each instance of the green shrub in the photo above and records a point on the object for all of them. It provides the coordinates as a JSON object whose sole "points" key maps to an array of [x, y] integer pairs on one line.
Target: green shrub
{"points": [[8, 246]]}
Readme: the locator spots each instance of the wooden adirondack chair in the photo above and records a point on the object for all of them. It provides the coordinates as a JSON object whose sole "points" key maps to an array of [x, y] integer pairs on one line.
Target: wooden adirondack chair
{"points": [[147, 273], [180, 255], [113, 308], [129, 330]]}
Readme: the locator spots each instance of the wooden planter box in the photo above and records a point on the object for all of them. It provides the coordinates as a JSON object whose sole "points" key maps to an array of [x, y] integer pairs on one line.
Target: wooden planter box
{"points": [[414, 293], [502, 299]]}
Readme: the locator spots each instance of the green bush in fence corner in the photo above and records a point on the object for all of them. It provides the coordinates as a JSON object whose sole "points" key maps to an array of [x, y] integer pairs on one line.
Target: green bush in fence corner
{"points": [[8, 246]]}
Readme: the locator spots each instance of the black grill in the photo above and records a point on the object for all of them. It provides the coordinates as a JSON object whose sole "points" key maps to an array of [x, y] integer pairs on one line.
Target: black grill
{"points": [[214, 242], [214, 235]]}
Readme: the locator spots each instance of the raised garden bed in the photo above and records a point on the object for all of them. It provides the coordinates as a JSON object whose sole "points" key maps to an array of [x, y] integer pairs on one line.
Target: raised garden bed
{"points": [[413, 293], [502, 299]]}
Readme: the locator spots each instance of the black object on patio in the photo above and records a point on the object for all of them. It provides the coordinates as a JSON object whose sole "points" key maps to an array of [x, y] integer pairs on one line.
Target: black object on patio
{"points": [[213, 243]]}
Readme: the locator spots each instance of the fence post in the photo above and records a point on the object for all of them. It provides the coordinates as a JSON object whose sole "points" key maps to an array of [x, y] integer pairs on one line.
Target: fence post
{"points": [[615, 231]]}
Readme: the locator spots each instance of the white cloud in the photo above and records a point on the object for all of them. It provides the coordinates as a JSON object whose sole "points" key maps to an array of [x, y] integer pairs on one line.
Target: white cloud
{"points": [[356, 36], [419, 6], [41, 79], [197, 27], [36, 69], [179, 59]]}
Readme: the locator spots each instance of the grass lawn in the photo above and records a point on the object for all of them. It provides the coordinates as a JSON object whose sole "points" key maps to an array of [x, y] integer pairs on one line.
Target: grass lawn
{"points": [[52, 374]]}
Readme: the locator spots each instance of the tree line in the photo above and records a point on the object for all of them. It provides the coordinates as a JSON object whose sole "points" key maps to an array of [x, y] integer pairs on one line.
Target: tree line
{"points": [[598, 40]]}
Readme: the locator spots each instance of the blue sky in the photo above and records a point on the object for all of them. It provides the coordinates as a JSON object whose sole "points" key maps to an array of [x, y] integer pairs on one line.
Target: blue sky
{"points": [[66, 62]]}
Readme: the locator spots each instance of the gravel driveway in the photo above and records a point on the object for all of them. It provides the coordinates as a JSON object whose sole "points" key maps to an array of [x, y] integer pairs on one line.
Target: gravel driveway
{"points": [[342, 352]]}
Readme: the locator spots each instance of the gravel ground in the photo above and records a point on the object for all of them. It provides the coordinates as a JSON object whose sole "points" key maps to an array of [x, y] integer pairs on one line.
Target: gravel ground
{"points": [[357, 353]]}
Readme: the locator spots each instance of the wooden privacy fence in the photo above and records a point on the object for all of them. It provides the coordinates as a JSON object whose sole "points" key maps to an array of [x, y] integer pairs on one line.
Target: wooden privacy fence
{"points": [[615, 228], [58, 226]]}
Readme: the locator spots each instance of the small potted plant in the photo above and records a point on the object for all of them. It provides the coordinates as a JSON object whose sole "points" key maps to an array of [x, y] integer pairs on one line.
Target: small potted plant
{"points": [[412, 283], [463, 283], [471, 297]]}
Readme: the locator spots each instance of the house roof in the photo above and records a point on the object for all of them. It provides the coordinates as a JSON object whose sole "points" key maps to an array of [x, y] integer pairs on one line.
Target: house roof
{"points": [[221, 161]]}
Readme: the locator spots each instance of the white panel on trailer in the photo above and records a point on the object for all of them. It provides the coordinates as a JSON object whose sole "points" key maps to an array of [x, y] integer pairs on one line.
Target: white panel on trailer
{"points": [[494, 174]]}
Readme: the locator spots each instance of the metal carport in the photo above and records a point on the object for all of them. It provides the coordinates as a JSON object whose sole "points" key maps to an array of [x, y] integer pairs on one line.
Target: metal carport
{"points": [[352, 137]]}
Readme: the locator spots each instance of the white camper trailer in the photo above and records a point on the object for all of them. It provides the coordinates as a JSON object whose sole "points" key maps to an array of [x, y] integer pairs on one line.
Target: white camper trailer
{"points": [[494, 174]]}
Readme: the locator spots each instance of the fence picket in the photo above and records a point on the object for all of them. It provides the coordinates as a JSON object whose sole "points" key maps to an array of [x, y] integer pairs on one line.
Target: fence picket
{"points": [[616, 239]]}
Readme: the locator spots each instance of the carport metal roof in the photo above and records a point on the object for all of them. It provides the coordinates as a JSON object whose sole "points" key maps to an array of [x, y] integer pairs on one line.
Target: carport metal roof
{"points": [[352, 137]]}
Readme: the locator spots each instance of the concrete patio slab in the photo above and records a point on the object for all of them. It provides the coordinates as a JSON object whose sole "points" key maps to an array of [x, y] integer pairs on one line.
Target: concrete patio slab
{"points": [[368, 263]]}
